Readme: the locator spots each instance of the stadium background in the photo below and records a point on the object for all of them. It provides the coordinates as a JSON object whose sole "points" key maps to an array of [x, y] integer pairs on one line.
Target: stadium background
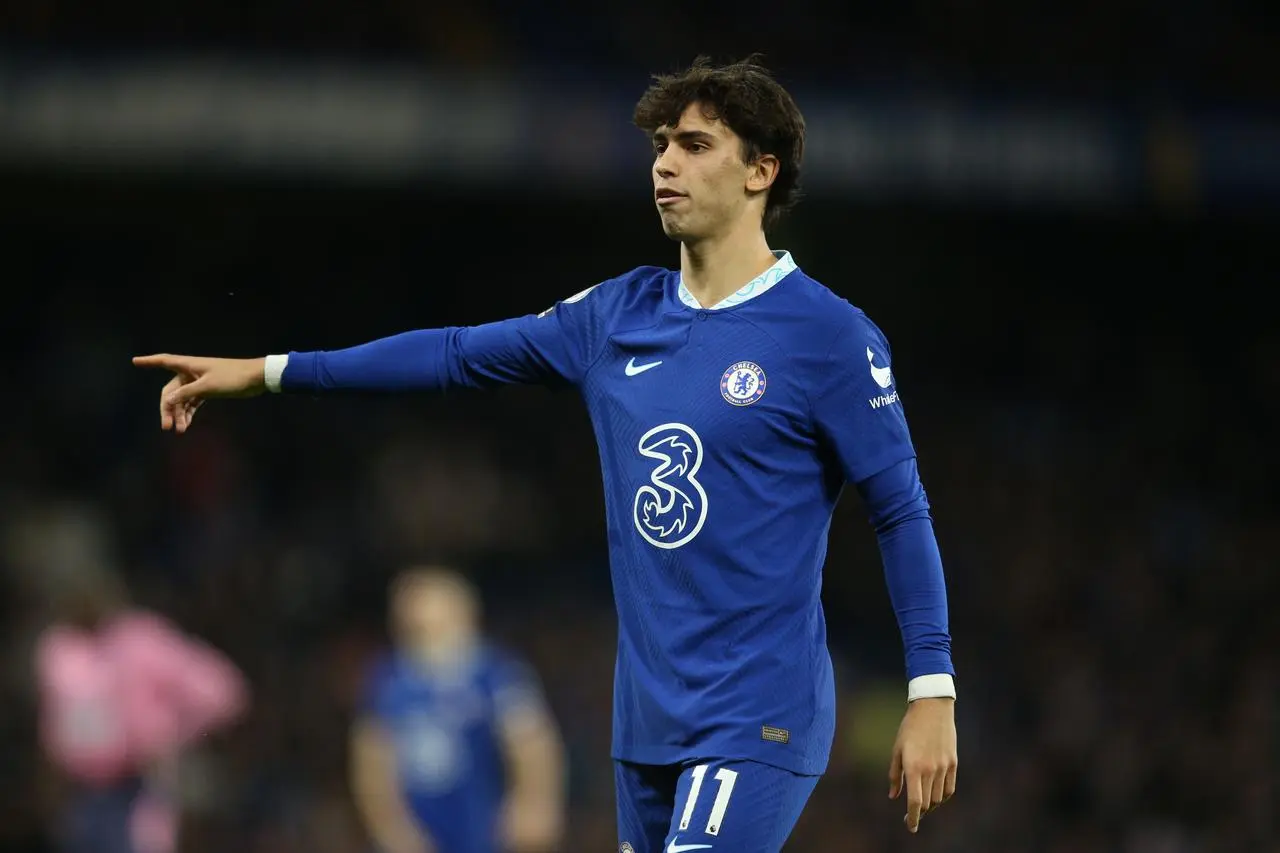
{"points": [[1063, 215]]}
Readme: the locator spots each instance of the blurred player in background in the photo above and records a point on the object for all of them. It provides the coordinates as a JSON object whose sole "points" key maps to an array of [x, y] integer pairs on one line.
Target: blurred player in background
{"points": [[732, 400], [123, 692], [455, 750]]}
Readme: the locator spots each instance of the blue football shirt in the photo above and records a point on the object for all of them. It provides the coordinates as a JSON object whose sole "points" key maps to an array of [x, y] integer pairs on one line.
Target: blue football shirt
{"points": [[445, 729], [726, 436]]}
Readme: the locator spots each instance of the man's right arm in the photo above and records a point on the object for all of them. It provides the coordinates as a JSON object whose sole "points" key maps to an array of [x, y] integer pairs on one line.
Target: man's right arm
{"points": [[556, 347], [377, 796], [550, 349]]}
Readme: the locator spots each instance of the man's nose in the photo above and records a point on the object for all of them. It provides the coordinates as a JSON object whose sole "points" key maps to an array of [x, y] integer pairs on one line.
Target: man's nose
{"points": [[664, 166]]}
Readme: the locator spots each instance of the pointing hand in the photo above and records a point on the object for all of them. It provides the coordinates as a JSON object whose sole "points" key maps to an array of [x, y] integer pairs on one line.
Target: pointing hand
{"points": [[196, 379]]}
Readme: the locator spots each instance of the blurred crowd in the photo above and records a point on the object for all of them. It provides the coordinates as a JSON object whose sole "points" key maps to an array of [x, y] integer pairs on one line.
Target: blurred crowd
{"points": [[1188, 47], [1096, 446]]}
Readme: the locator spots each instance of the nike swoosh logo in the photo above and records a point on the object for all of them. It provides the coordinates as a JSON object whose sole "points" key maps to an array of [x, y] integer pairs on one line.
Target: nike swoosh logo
{"points": [[634, 369], [680, 848]]}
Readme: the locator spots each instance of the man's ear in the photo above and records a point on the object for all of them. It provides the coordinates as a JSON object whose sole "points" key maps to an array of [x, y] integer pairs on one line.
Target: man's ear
{"points": [[762, 173]]}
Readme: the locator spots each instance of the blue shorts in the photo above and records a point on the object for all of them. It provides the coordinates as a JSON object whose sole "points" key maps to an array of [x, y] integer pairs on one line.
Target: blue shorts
{"points": [[717, 806], [97, 820]]}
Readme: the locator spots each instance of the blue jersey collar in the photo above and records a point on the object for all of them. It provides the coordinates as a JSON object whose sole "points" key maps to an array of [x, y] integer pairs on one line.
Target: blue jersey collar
{"points": [[758, 285]]}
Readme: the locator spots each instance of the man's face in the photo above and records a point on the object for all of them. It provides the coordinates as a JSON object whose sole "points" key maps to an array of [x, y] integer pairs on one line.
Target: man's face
{"points": [[699, 177], [432, 610]]}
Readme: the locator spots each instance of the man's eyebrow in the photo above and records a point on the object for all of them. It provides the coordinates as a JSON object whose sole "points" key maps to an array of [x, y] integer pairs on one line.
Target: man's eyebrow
{"points": [[683, 136]]}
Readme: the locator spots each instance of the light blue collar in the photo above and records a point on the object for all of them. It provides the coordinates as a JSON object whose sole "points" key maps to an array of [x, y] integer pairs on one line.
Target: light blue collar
{"points": [[758, 285]]}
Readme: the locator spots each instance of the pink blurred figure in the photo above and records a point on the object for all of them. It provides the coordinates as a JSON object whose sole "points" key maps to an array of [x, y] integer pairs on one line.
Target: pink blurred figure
{"points": [[123, 692]]}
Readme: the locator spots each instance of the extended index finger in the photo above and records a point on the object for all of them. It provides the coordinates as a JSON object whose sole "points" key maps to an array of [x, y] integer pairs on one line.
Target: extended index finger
{"points": [[165, 361]]}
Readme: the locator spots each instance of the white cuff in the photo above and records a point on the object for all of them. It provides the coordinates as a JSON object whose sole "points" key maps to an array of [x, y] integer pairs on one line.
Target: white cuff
{"points": [[273, 372], [931, 687]]}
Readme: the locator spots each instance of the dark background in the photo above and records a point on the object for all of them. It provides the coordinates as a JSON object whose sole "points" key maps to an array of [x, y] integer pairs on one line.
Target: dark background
{"points": [[1091, 383]]}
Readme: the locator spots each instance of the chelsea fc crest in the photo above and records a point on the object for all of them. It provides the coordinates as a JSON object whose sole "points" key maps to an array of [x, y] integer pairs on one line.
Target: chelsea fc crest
{"points": [[626, 848], [743, 383]]}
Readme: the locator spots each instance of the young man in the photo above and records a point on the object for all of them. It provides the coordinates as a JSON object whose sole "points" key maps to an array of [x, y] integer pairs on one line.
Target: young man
{"points": [[454, 750], [732, 400]]}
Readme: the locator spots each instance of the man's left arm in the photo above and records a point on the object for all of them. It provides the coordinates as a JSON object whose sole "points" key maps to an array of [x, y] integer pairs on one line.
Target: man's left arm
{"points": [[924, 756], [859, 413]]}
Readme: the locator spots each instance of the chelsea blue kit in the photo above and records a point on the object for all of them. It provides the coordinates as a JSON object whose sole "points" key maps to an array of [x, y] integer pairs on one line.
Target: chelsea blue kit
{"points": [[445, 729], [726, 436]]}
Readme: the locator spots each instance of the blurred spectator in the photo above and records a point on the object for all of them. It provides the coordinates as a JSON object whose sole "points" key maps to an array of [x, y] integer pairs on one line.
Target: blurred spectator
{"points": [[123, 694]]}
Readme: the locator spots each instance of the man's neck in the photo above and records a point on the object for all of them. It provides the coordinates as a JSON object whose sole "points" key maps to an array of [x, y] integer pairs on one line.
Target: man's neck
{"points": [[444, 656], [715, 268]]}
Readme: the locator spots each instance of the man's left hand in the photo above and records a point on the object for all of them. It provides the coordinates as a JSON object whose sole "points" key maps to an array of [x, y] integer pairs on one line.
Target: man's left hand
{"points": [[924, 758]]}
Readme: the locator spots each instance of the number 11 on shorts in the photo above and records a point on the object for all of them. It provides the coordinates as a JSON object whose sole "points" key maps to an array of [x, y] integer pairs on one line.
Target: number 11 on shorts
{"points": [[727, 779]]}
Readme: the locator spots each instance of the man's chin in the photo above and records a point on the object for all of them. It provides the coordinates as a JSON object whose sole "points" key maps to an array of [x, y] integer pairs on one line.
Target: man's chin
{"points": [[673, 229]]}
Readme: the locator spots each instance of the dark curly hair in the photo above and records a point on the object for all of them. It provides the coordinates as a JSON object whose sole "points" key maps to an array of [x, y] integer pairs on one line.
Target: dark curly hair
{"points": [[750, 102]]}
